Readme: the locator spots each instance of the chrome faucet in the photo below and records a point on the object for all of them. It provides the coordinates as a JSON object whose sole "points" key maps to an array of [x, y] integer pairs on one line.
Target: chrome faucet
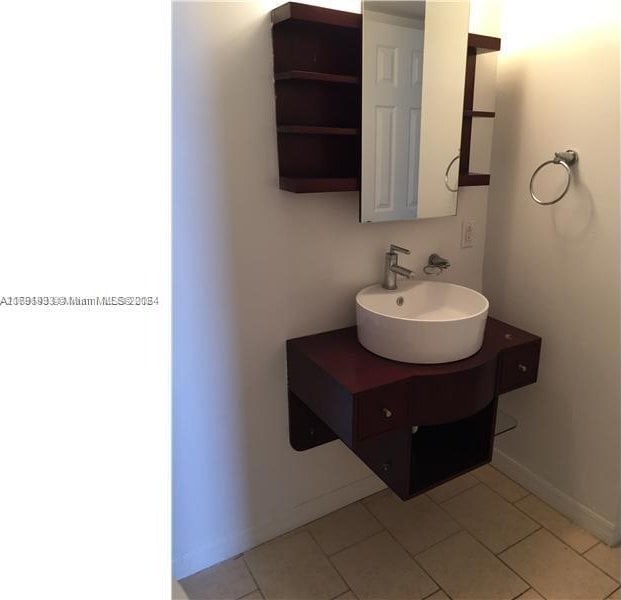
{"points": [[392, 269]]}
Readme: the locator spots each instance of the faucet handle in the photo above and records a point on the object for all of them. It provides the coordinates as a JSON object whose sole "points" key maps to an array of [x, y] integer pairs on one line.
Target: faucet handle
{"points": [[435, 260], [394, 249]]}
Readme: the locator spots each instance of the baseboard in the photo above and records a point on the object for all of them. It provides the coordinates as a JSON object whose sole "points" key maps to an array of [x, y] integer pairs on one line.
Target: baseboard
{"points": [[219, 550], [584, 516]]}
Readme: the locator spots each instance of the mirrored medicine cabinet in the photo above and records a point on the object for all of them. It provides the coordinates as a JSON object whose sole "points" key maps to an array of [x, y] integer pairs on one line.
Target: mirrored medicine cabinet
{"points": [[379, 102], [413, 71]]}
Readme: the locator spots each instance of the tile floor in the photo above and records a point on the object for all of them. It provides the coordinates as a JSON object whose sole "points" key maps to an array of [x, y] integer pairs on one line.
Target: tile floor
{"points": [[480, 537]]}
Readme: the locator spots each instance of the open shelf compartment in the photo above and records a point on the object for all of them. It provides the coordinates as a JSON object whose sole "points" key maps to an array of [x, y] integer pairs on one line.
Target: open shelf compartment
{"points": [[476, 45], [442, 452]]}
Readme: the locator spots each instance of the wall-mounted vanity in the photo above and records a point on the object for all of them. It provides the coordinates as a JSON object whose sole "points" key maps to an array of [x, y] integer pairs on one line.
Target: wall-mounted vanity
{"points": [[414, 425]]}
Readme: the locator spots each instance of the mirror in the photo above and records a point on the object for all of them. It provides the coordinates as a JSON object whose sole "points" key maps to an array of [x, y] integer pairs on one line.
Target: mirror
{"points": [[413, 73]]}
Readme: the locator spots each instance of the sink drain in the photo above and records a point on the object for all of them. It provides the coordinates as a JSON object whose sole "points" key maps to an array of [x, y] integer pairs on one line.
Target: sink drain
{"points": [[400, 301]]}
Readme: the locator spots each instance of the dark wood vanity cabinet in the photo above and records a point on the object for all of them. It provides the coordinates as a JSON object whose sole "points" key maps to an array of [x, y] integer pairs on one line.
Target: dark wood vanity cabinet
{"points": [[415, 426]]}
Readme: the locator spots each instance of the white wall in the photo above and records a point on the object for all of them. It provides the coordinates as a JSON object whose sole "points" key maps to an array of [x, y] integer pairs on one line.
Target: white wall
{"points": [[555, 270], [253, 266]]}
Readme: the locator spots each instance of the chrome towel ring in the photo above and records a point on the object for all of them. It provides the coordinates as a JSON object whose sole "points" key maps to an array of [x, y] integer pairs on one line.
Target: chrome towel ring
{"points": [[566, 160], [446, 176]]}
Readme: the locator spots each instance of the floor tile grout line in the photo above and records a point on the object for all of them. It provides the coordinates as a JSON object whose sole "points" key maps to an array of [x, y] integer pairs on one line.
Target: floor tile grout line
{"points": [[341, 575], [526, 495], [417, 563], [434, 593], [348, 545], [581, 553], [336, 569], [489, 487], [593, 546], [560, 539], [366, 508], [521, 593], [413, 556], [439, 502], [243, 557], [479, 542], [476, 537], [449, 536], [618, 581], [446, 513], [332, 564], [502, 498], [520, 577], [523, 578], [529, 493], [345, 592], [516, 542]]}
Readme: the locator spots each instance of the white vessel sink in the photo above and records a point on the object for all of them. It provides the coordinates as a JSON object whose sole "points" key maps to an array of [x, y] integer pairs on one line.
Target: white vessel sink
{"points": [[422, 321]]}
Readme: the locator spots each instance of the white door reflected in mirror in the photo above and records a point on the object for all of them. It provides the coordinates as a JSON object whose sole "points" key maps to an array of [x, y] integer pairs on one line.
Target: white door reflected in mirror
{"points": [[413, 70]]}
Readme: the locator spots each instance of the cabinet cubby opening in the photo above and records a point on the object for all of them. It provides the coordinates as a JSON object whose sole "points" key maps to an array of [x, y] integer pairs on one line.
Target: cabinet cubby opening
{"points": [[441, 452], [301, 102], [304, 46], [318, 156]]}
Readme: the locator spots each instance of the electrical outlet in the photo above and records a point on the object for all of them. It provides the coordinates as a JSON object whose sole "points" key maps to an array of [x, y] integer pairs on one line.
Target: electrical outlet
{"points": [[468, 234]]}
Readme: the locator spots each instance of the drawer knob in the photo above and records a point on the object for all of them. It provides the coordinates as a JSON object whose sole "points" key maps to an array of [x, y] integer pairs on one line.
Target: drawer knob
{"points": [[522, 368], [386, 467], [387, 413]]}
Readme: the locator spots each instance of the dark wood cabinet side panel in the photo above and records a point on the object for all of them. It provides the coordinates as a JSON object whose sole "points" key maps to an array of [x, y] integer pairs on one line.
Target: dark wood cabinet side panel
{"points": [[324, 396], [306, 429], [466, 126]]}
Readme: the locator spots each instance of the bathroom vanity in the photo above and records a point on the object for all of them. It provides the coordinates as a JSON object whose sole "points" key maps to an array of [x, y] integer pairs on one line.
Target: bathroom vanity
{"points": [[383, 102], [414, 425]]}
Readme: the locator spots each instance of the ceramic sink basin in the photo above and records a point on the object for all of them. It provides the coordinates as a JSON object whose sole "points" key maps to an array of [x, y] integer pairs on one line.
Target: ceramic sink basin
{"points": [[422, 321]]}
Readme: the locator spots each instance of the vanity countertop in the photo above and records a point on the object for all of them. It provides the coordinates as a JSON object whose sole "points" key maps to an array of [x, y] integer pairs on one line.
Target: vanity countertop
{"points": [[339, 354]]}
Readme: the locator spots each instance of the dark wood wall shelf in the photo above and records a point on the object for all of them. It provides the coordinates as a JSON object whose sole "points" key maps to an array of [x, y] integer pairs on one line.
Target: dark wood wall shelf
{"points": [[301, 185], [316, 15], [477, 44], [317, 61], [315, 76], [315, 130], [483, 43], [479, 113], [338, 389], [473, 179]]}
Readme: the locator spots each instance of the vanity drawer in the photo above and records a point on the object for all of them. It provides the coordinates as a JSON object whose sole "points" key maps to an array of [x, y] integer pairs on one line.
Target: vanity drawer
{"points": [[519, 367], [381, 409]]}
